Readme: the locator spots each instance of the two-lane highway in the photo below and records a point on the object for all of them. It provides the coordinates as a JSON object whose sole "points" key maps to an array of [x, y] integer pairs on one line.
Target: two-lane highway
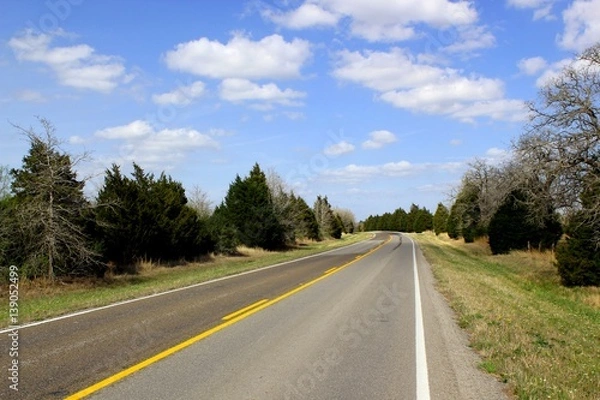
{"points": [[348, 324]]}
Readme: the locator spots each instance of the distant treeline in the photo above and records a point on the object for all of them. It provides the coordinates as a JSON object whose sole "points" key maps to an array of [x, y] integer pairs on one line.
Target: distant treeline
{"points": [[415, 220]]}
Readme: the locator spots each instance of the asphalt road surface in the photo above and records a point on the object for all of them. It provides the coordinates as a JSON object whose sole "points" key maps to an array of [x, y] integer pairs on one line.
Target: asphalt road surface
{"points": [[347, 324]]}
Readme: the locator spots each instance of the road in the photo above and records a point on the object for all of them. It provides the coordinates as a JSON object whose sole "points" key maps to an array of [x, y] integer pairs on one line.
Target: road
{"points": [[343, 325]]}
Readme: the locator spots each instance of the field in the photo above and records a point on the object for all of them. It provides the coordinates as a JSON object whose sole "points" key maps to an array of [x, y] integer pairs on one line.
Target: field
{"points": [[539, 337]]}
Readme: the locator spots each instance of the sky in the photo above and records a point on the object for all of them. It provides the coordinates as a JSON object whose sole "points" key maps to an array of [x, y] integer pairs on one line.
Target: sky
{"points": [[376, 104]]}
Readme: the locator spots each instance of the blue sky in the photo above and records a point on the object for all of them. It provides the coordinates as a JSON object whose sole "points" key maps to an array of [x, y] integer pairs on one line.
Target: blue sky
{"points": [[375, 103]]}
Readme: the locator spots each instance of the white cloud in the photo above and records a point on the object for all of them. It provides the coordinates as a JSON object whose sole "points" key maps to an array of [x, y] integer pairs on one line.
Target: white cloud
{"points": [[552, 71], [182, 96], [378, 20], [456, 142], [340, 148], [271, 57], [582, 25], [76, 140], [378, 139], [500, 110], [240, 90], [142, 143], [306, 16], [471, 38], [542, 8], [384, 71], [353, 173], [409, 84], [533, 65], [30, 96], [495, 155], [76, 66], [135, 129]]}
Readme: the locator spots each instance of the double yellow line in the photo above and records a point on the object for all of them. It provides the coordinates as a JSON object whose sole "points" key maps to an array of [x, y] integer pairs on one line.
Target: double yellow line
{"points": [[228, 321]]}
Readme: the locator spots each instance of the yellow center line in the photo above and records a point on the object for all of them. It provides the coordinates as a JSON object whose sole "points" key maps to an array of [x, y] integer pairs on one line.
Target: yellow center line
{"points": [[330, 270], [243, 310], [254, 309]]}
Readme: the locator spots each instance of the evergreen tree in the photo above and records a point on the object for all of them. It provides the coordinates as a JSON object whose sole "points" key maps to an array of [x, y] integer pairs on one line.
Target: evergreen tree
{"points": [[578, 256], [440, 219], [145, 217], [49, 210], [306, 223], [511, 228], [249, 208], [337, 227]]}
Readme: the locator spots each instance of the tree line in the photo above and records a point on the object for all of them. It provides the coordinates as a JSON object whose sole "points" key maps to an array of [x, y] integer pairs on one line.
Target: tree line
{"points": [[547, 194], [417, 219], [49, 228]]}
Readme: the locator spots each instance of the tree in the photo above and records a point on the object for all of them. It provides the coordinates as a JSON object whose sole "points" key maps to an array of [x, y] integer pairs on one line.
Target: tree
{"points": [[199, 201], [337, 227], [577, 257], [148, 217], [248, 206], [50, 209], [347, 218], [440, 219], [560, 151], [324, 215], [465, 214], [5, 182], [511, 229], [306, 222]]}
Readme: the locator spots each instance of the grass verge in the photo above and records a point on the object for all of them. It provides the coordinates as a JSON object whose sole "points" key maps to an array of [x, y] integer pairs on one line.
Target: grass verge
{"points": [[539, 337], [39, 299]]}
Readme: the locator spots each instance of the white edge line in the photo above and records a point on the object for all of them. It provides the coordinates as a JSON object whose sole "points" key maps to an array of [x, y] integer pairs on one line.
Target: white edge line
{"points": [[423, 392], [120, 303]]}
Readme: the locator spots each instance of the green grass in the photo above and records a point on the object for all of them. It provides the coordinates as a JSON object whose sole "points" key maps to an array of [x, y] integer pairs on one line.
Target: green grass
{"points": [[41, 299], [541, 338]]}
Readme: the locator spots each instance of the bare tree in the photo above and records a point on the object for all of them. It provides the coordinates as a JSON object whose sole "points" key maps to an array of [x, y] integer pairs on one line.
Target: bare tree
{"points": [[560, 152], [348, 219], [5, 181], [50, 206], [200, 202]]}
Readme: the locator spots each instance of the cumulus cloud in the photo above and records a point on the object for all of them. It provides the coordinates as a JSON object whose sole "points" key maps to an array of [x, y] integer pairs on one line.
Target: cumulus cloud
{"points": [[135, 129], [533, 65], [306, 16], [139, 141], [240, 90], [339, 148], [470, 39], [378, 20], [353, 173], [271, 57], [378, 139], [181, 96], [408, 84], [582, 25], [77, 66], [542, 8]]}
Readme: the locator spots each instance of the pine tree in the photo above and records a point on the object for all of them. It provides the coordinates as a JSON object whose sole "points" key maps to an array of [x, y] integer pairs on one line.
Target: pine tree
{"points": [[440, 219], [248, 206], [145, 217], [578, 256], [512, 229]]}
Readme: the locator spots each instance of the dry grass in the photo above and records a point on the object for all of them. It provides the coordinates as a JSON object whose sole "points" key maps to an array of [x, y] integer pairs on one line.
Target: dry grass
{"points": [[541, 338]]}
